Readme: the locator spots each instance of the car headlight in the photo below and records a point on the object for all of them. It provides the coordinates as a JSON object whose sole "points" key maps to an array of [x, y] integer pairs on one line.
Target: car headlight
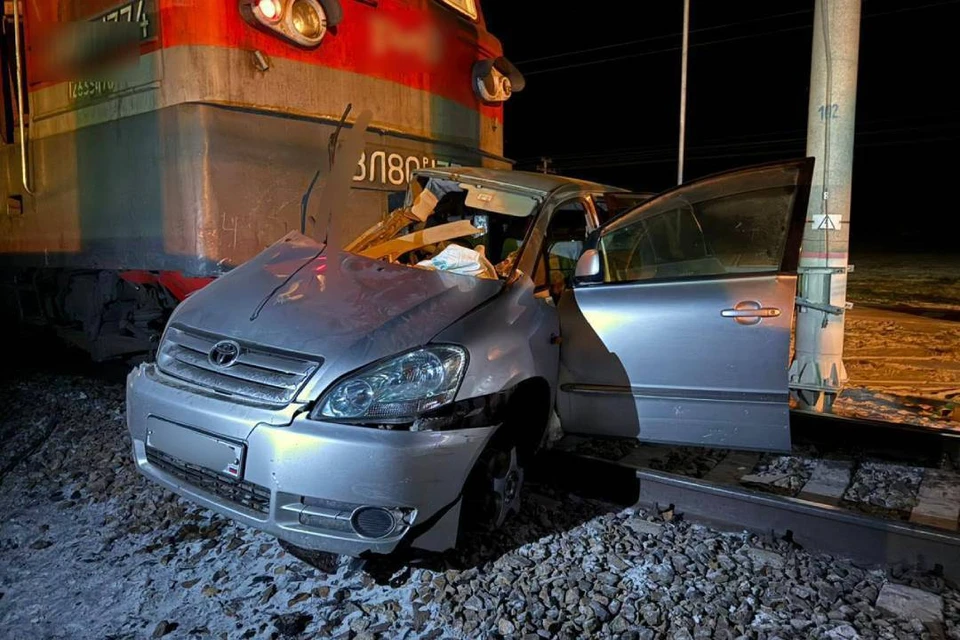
{"points": [[396, 390]]}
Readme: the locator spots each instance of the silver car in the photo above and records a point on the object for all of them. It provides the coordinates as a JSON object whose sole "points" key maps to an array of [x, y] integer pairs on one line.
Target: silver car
{"points": [[376, 398]]}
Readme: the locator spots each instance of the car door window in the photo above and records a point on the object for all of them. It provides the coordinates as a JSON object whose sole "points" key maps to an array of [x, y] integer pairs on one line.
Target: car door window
{"points": [[565, 236], [700, 233]]}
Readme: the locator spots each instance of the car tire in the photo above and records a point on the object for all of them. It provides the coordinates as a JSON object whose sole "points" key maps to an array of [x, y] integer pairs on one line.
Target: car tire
{"points": [[493, 488], [492, 491]]}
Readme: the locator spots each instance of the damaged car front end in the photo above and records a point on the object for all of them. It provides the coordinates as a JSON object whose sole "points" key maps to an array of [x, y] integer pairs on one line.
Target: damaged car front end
{"points": [[364, 400]]}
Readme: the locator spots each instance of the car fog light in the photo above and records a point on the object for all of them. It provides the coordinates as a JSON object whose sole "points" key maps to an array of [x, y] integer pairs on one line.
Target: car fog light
{"points": [[373, 522]]}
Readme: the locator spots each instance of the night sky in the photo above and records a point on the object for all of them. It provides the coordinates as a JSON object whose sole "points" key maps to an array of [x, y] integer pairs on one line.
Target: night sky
{"points": [[602, 100]]}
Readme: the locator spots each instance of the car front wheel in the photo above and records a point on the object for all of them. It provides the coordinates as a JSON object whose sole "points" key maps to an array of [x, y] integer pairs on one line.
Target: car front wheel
{"points": [[494, 487]]}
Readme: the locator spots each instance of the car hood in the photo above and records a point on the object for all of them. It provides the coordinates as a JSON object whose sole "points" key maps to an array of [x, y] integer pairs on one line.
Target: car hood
{"points": [[343, 308]]}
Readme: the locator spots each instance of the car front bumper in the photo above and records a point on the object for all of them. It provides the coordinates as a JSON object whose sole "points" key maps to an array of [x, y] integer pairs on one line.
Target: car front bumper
{"points": [[302, 480]]}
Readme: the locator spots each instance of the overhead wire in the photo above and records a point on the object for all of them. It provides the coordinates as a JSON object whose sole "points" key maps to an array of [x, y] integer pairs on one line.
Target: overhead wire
{"points": [[761, 147], [666, 36], [747, 154], [631, 156], [630, 56], [760, 34], [766, 135]]}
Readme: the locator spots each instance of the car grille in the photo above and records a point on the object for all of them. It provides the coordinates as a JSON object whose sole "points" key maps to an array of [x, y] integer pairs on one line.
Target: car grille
{"points": [[258, 375], [239, 492]]}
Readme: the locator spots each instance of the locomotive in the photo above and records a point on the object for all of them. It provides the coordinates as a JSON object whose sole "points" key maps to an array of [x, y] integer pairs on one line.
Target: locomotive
{"points": [[152, 145]]}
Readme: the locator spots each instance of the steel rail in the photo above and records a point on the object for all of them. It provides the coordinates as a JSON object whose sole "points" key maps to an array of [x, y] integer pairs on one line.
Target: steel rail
{"points": [[901, 439], [813, 526], [816, 527]]}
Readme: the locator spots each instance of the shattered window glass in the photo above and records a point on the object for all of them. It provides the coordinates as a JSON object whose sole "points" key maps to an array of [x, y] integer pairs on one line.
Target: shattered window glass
{"points": [[497, 238], [436, 228]]}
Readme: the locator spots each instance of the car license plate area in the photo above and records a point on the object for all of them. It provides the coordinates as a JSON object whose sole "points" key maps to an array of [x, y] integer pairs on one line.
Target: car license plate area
{"points": [[195, 447]]}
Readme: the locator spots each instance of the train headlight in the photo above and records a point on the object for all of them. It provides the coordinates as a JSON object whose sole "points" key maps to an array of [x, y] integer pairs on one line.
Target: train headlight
{"points": [[496, 79], [308, 19], [303, 22], [269, 9]]}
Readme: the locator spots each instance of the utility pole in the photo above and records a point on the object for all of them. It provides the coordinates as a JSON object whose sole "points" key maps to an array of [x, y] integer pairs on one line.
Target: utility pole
{"points": [[544, 166], [817, 373], [683, 87]]}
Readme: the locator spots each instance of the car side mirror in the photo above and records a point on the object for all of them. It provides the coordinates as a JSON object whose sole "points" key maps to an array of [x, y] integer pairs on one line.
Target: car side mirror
{"points": [[588, 266]]}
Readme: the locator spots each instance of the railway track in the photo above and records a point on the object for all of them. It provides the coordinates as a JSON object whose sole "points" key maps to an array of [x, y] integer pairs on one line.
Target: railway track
{"points": [[880, 438], [826, 511]]}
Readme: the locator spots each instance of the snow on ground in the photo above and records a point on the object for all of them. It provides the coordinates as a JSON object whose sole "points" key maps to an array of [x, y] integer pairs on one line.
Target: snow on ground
{"points": [[89, 549], [902, 341], [901, 352]]}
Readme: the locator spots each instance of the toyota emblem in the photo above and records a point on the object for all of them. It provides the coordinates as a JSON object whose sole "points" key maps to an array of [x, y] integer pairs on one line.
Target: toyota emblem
{"points": [[224, 353]]}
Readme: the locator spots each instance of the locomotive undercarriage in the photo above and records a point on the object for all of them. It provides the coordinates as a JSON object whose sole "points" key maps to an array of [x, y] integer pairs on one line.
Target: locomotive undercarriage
{"points": [[96, 310]]}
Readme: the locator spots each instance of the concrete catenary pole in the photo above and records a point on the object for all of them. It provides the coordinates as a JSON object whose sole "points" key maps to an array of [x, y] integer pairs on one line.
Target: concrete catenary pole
{"points": [[683, 88], [817, 373]]}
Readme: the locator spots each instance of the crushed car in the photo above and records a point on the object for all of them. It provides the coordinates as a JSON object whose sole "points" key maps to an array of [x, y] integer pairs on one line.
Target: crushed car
{"points": [[381, 396]]}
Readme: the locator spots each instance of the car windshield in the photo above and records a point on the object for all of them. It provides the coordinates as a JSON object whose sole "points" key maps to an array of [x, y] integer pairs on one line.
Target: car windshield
{"points": [[448, 225]]}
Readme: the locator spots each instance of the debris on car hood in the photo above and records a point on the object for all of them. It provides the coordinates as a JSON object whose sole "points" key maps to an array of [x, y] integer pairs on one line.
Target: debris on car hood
{"points": [[457, 259], [418, 239]]}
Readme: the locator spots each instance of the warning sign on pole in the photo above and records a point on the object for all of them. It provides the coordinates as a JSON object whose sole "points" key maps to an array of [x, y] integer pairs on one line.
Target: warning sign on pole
{"points": [[828, 222]]}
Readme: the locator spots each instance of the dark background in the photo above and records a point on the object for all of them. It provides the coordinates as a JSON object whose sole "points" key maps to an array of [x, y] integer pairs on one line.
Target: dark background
{"points": [[602, 100]]}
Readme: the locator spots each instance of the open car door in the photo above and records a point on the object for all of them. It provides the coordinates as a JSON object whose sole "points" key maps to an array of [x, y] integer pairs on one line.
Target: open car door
{"points": [[677, 329]]}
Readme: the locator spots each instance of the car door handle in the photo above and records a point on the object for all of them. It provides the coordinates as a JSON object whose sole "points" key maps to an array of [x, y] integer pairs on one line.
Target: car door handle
{"points": [[750, 312]]}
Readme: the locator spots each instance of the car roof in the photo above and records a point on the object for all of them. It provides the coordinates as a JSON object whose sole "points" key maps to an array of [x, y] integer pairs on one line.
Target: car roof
{"points": [[539, 183]]}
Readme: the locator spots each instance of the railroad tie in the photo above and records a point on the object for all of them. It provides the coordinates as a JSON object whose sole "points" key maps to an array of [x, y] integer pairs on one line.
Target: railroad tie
{"points": [[828, 482], [733, 466], [938, 501]]}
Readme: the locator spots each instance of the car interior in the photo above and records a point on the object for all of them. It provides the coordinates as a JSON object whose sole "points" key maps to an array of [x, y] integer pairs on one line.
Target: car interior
{"points": [[495, 237]]}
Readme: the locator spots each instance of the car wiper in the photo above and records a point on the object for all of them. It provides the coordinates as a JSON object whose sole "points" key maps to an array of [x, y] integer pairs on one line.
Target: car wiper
{"points": [[335, 189]]}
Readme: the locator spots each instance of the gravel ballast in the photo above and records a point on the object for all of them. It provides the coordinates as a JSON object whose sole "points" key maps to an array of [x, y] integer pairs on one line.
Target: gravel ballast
{"points": [[90, 549]]}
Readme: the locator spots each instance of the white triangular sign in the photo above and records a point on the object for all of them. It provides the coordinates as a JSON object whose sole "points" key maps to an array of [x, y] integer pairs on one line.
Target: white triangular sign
{"points": [[828, 222]]}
